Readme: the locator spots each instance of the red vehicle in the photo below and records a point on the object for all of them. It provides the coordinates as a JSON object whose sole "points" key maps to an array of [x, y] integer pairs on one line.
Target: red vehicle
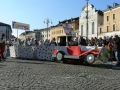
{"points": [[63, 52]]}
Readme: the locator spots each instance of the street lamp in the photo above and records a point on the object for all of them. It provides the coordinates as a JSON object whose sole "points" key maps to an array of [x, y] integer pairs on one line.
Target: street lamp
{"points": [[87, 19], [47, 22]]}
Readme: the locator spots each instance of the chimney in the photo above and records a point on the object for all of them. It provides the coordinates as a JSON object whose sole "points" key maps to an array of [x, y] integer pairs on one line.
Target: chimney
{"points": [[108, 6]]}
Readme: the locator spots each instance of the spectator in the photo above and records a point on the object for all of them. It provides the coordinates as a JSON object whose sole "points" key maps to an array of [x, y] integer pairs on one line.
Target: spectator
{"points": [[53, 42], [83, 41], [16, 42], [104, 41], [32, 42], [47, 43], [117, 49], [36, 42]]}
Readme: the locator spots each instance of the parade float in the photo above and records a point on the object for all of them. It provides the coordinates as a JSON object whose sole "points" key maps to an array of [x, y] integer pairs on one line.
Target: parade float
{"points": [[64, 52], [61, 52]]}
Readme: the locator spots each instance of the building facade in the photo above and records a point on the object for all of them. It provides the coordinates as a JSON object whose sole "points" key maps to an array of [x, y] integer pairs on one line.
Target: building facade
{"points": [[44, 34], [58, 30], [94, 18], [39, 34], [6, 29], [111, 25], [27, 34]]}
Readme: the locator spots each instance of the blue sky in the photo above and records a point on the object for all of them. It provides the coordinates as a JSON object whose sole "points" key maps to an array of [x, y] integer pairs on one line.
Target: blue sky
{"points": [[34, 12]]}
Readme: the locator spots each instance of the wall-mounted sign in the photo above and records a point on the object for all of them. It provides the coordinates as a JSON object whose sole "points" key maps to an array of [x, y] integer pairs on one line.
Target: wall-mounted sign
{"points": [[17, 25], [68, 30]]}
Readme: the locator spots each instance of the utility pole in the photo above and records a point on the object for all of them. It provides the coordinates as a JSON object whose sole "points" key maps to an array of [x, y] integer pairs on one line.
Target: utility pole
{"points": [[47, 22], [87, 19]]}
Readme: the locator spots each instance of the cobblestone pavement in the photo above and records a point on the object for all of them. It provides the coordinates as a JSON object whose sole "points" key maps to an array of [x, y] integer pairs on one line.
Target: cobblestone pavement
{"points": [[42, 75]]}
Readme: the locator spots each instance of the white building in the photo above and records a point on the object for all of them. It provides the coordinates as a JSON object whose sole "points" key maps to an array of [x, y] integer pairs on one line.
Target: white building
{"points": [[33, 34], [44, 34], [6, 29], [95, 17]]}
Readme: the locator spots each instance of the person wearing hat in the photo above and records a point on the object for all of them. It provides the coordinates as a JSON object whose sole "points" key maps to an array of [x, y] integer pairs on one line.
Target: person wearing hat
{"points": [[2, 47]]}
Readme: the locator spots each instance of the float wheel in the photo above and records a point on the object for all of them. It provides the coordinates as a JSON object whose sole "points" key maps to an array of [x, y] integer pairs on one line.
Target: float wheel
{"points": [[90, 59], [59, 56]]}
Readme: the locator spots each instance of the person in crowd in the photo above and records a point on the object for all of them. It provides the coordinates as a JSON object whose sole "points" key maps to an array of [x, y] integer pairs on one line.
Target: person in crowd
{"points": [[83, 41], [105, 41], [6, 53], [32, 42], [16, 42], [87, 41], [36, 42], [95, 39], [11, 42], [71, 42], [53, 42], [76, 42], [92, 41], [111, 50], [2, 47], [117, 49], [100, 42], [110, 39], [28, 42], [47, 43], [41, 43], [25, 42]]}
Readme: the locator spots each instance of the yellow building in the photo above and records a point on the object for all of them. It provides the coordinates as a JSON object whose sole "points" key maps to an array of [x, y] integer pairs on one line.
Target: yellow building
{"points": [[22, 36], [111, 25], [26, 34], [58, 30]]}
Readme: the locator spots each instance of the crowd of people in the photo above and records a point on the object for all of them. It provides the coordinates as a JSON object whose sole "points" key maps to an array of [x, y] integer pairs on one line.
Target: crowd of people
{"points": [[111, 43], [33, 42]]}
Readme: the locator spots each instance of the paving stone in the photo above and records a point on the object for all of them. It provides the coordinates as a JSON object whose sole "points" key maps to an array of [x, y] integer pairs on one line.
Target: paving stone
{"points": [[42, 75]]}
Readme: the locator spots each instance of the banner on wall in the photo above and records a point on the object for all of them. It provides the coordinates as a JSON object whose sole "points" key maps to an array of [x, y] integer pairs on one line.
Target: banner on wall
{"points": [[22, 26], [68, 30]]}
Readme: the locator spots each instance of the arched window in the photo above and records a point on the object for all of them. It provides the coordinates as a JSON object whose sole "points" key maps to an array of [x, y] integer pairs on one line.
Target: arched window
{"points": [[93, 27], [113, 27], [81, 29]]}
